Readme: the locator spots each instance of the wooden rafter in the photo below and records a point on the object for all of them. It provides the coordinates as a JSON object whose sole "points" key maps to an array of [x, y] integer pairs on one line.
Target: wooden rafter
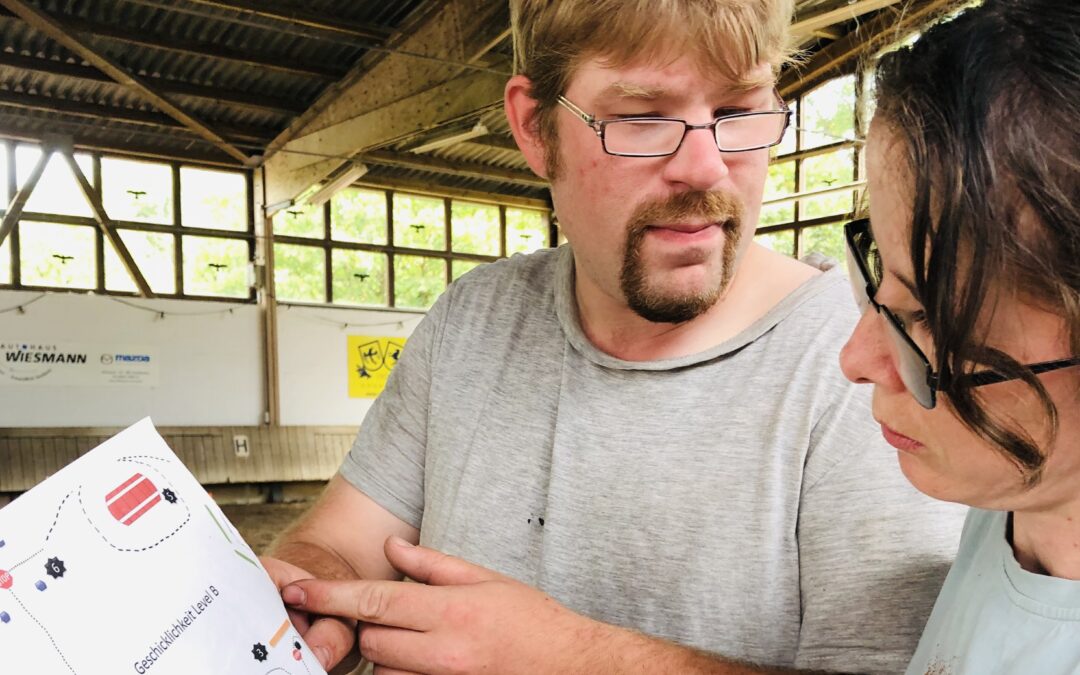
{"points": [[61, 34], [454, 168], [271, 10], [194, 48], [225, 95], [804, 26], [238, 134], [18, 201], [105, 224], [891, 25]]}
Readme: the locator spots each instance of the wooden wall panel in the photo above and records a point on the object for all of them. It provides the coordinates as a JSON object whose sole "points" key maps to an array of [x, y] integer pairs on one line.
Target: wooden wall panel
{"points": [[276, 454]]}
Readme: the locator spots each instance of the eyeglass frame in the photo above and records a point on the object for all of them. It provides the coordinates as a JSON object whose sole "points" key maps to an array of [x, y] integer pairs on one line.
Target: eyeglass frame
{"points": [[935, 381], [599, 126]]}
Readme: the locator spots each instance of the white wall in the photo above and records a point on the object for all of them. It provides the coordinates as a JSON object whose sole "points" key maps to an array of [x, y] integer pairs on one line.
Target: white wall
{"points": [[312, 357], [211, 364]]}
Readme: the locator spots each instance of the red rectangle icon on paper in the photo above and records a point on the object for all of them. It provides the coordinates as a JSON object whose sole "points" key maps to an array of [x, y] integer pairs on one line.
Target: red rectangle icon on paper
{"points": [[132, 499]]}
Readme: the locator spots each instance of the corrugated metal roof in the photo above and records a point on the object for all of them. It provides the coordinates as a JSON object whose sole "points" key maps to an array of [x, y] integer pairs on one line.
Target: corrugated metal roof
{"points": [[247, 71]]}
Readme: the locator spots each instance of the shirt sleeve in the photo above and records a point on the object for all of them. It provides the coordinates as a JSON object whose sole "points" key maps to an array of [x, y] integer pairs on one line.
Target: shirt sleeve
{"points": [[873, 551], [387, 458]]}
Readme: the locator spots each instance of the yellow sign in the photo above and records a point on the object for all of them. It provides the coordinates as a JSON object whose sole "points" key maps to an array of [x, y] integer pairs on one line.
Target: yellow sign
{"points": [[370, 361]]}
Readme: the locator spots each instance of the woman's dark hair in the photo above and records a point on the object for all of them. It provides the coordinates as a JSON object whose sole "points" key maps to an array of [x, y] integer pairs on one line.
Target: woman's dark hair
{"points": [[986, 106]]}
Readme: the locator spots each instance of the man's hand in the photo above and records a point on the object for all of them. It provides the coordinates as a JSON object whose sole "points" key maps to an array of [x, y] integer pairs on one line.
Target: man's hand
{"points": [[461, 618], [330, 639]]}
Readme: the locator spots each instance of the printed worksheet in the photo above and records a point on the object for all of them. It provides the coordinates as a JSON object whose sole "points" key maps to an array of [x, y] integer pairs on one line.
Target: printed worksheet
{"points": [[122, 563]]}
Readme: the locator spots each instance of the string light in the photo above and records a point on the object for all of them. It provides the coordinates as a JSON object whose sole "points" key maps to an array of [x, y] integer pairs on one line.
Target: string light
{"points": [[21, 308], [348, 325]]}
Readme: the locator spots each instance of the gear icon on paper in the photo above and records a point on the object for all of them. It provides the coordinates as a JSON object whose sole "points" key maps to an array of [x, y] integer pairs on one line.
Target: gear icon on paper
{"points": [[259, 651], [55, 568], [169, 495]]}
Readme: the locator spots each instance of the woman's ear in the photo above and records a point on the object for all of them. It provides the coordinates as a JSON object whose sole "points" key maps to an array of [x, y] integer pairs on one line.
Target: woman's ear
{"points": [[521, 114]]}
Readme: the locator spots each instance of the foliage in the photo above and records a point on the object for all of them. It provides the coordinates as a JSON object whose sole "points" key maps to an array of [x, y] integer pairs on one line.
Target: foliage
{"points": [[781, 242], [213, 199], [419, 222], [359, 277], [154, 256], [299, 273], [475, 228], [359, 216], [827, 239], [418, 281], [214, 266], [137, 191], [526, 230], [57, 255]]}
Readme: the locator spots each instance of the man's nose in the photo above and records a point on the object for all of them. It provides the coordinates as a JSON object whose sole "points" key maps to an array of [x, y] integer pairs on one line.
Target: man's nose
{"points": [[698, 163]]}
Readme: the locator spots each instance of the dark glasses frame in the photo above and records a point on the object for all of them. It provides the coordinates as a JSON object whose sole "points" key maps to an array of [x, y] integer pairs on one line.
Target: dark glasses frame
{"points": [[923, 385]]}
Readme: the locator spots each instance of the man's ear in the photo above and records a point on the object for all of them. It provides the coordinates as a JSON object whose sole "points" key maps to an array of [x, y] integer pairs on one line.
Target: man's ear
{"points": [[521, 114]]}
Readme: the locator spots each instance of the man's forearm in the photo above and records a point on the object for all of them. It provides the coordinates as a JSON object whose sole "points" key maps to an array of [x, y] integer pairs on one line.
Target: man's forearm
{"points": [[317, 560], [618, 651]]}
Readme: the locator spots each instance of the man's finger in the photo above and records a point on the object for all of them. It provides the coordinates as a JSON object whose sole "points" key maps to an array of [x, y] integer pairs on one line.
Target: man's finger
{"points": [[330, 640], [390, 603], [396, 650], [433, 567]]}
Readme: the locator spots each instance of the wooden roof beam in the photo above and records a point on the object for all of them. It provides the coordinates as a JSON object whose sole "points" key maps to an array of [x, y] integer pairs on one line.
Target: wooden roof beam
{"points": [[805, 26], [454, 168], [891, 25], [62, 34], [89, 73], [272, 10]]}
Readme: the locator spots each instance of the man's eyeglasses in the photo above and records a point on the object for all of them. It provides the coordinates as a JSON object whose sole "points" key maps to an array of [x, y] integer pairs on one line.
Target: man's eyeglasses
{"points": [[865, 271], [662, 136]]}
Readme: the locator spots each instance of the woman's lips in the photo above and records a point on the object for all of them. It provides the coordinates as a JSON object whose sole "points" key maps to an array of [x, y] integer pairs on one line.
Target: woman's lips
{"points": [[900, 441]]}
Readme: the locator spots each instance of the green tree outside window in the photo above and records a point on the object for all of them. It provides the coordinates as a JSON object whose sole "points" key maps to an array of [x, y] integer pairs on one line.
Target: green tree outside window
{"points": [[359, 277], [213, 199], [137, 191], [827, 239], [829, 113], [216, 267], [418, 281], [780, 182], [475, 228], [299, 273], [526, 230], [153, 255], [300, 221], [781, 242], [823, 171], [359, 216], [58, 255], [460, 267], [419, 222]]}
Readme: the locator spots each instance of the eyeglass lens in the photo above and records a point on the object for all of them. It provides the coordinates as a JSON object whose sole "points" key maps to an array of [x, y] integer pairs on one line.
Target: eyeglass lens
{"points": [[662, 137], [913, 369]]}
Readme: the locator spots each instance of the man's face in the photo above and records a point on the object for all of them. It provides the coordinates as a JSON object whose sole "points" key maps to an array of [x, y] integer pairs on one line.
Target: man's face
{"points": [[661, 235]]}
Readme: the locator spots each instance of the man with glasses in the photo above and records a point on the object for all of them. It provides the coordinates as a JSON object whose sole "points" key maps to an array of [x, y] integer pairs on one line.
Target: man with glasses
{"points": [[647, 425]]}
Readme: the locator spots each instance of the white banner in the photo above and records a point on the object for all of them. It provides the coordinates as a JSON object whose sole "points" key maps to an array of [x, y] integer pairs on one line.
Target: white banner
{"points": [[76, 364]]}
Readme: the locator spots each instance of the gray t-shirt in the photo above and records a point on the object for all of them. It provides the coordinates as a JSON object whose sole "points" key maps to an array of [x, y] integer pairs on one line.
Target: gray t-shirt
{"points": [[740, 500]]}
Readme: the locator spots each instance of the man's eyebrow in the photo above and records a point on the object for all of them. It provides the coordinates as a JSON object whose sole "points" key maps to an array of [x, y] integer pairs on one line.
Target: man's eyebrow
{"points": [[632, 90]]}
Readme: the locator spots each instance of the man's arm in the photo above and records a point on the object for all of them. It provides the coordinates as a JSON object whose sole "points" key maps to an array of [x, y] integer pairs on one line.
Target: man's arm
{"points": [[463, 618], [338, 538]]}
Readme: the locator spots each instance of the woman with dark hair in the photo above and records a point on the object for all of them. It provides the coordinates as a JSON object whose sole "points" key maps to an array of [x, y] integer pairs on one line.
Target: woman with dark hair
{"points": [[970, 261]]}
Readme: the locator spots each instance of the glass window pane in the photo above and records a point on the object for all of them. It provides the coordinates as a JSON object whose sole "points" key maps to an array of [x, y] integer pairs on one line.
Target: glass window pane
{"points": [[138, 191], [827, 239], [358, 215], [780, 183], [57, 191], [419, 222], [5, 262], [215, 266], [823, 171], [359, 277], [299, 273], [475, 228], [418, 281], [152, 252], [213, 199], [5, 196], [459, 267], [781, 242], [301, 221], [526, 230], [57, 255], [829, 113]]}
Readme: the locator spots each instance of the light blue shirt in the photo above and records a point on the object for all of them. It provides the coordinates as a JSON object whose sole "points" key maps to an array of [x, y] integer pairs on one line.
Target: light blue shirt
{"points": [[992, 616]]}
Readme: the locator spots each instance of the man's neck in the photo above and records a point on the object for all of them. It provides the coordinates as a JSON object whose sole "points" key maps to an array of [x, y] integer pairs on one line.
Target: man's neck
{"points": [[762, 280]]}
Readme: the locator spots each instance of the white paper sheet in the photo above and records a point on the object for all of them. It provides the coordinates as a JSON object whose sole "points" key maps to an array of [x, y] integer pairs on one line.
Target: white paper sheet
{"points": [[121, 563]]}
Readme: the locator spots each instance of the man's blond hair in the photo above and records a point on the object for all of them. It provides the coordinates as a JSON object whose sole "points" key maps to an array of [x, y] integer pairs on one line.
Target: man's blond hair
{"points": [[729, 37]]}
